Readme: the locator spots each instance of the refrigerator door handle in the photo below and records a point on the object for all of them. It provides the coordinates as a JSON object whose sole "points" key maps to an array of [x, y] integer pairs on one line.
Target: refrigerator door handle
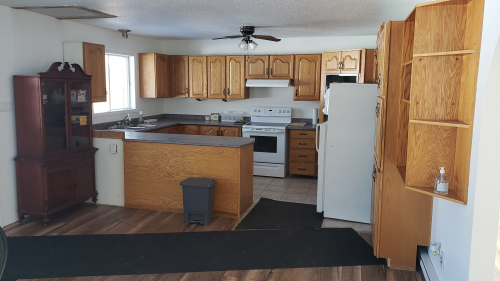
{"points": [[316, 143]]}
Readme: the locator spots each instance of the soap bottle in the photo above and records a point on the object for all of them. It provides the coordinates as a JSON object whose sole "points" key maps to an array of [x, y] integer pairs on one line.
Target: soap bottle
{"points": [[141, 117], [441, 183]]}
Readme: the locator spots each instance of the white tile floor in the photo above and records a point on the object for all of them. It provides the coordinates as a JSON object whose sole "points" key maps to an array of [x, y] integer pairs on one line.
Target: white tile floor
{"points": [[298, 190]]}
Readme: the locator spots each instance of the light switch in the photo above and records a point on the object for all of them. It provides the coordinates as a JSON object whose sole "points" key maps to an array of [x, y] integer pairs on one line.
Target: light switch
{"points": [[114, 149]]}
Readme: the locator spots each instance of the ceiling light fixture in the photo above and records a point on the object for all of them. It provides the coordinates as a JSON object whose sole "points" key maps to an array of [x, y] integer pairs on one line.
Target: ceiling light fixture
{"points": [[124, 32], [253, 45], [244, 44]]}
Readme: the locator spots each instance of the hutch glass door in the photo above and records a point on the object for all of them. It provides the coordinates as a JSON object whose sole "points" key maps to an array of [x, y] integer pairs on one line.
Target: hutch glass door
{"points": [[80, 113], [54, 111]]}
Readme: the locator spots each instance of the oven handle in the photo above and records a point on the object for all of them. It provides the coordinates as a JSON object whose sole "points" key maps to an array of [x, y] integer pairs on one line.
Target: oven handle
{"points": [[277, 131]]}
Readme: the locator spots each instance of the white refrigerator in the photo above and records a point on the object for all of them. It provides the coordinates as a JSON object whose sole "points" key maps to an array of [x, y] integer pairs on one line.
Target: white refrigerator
{"points": [[345, 145]]}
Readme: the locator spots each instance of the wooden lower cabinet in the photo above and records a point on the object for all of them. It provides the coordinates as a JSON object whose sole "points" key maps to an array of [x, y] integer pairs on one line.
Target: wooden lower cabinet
{"points": [[48, 185], [188, 129], [208, 130], [303, 158], [172, 130], [230, 131]]}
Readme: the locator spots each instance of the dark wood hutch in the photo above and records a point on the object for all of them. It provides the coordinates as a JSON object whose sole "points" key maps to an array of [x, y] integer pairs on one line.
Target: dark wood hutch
{"points": [[55, 155]]}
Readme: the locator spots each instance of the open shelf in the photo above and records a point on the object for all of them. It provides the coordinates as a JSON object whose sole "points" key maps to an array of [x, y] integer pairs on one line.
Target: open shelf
{"points": [[406, 101], [451, 196], [457, 124], [408, 62], [450, 53]]}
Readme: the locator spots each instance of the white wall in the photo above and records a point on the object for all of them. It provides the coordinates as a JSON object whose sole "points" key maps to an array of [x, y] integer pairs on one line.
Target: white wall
{"points": [[468, 233], [258, 96], [29, 44]]}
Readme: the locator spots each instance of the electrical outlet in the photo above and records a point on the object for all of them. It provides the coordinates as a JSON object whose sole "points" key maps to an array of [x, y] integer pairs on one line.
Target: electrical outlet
{"points": [[5, 106], [113, 149], [441, 259]]}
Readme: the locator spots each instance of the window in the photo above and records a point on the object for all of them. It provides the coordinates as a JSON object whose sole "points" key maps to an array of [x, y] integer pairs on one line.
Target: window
{"points": [[119, 84]]}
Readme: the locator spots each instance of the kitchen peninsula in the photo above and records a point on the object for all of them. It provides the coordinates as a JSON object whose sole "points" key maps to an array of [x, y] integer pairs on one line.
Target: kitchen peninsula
{"points": [[155, 164]]}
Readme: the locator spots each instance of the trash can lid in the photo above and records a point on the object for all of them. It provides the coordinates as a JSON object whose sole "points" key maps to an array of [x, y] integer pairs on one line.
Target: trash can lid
{"points": [[198, 182]]}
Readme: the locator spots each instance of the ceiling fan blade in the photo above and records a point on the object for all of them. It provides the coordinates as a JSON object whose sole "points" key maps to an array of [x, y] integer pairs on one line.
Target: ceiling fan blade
{"points": [[229, 37], [266, 37]]}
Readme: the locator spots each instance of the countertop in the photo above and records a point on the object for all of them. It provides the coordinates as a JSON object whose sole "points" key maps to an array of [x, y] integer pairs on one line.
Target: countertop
{"points": [[307, 126], [188, 139]]}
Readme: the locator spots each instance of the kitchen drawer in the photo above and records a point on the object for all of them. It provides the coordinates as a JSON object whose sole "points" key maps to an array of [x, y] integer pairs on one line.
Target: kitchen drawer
{"points": [[302, 143], [303, 168], [302, 134], [302, 155], [68, 161]]}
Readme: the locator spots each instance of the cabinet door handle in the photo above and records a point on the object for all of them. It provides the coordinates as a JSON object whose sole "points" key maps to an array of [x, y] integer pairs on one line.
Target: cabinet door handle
{"points": [[376, 53], [302, 143], [303, 134], [217, 132], [377, 110], [228, 92], [224, 92], [378, 81], [267, 71], [374, 173], [297, 92], [186, 90], [272, 73], [302, 155], [221, 133], [302, 169]]}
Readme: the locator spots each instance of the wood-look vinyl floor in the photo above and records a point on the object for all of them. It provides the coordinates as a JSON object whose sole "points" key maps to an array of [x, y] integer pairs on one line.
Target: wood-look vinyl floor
{"points": [[102, 219]]}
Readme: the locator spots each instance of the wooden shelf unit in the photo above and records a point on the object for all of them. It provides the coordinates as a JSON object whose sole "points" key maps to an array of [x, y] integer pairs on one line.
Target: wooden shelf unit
{"points": [[440, 67]]}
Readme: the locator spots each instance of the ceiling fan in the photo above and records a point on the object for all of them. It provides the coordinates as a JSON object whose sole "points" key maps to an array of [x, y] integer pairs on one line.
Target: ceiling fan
{"points": [[246, 33]]}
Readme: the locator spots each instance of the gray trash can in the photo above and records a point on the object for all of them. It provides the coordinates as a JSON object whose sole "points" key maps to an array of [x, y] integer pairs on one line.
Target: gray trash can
{"points": [[198, 199]]}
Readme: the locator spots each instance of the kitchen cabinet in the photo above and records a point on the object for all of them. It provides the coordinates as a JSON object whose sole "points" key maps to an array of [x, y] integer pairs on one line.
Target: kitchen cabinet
{"points": [[219, 131], [230, 131], [55, 155], [235, 78], [94, 63], [282, 66], [172, 130], [270, 67], [307, 77], [303, 158], [153, 75], [179, 80], [342, 62], [198, 77], [216, 72], [208, 130], [331, 62], [257, 67], [188, 129]]}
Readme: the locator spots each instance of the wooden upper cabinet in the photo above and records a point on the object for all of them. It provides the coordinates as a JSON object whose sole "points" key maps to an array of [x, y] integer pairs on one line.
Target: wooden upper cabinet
{"points": [[153, 75], [179, 76], [216, 72], [307, 77], [235, 78], [331, 62], [198, 77], [94, 63], [351, 62], [230, 132], [257, 67], [281, 67], [208, 130]]}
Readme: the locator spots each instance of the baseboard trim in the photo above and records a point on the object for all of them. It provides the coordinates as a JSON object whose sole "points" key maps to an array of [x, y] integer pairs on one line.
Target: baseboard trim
{"points": [[426, 265]]}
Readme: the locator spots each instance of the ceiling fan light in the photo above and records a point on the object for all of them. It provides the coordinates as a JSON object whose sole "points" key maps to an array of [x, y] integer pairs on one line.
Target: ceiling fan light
{"points": [[253, 45], [243, 45]]}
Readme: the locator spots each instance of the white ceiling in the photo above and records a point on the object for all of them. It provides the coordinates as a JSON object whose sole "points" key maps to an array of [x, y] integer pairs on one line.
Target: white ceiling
{"points": [[204, 19]]}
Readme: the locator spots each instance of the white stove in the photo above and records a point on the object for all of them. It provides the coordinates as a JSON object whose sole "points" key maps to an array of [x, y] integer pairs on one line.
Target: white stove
{"points": [[268, 128]]}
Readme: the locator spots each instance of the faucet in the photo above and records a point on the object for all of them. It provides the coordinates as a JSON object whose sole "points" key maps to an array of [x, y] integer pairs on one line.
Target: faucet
{"points": [[127, 120]]}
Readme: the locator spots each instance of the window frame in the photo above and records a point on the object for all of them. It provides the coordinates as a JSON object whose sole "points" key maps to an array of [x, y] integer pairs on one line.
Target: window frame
{"points": [[131, 77]]}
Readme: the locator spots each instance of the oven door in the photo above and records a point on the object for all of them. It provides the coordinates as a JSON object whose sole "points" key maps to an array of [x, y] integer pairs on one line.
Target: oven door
{"points": [[269, 146]]}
